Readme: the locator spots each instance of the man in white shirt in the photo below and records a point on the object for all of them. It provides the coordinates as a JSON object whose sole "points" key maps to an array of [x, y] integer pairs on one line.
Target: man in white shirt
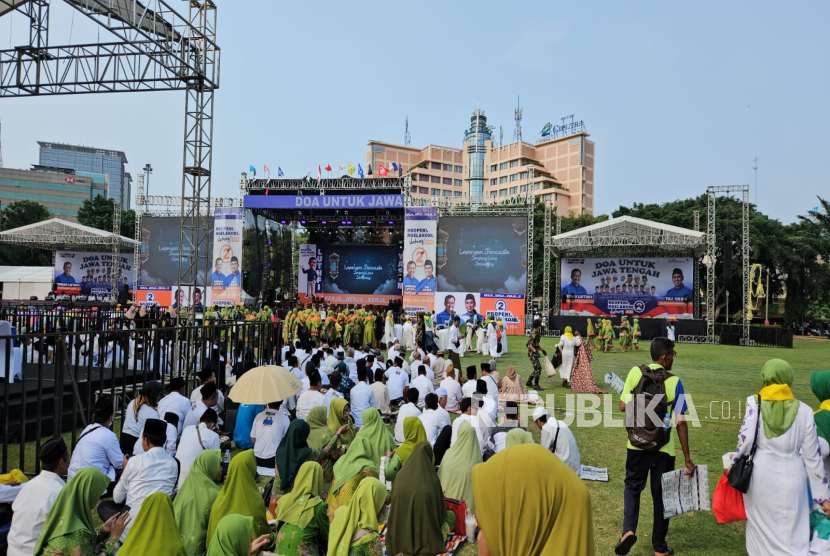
{"points": [[372, 365], [467, 415], [176, 402], [394, 351], [421, 361], [98, 446], [431, 358], [335, 380], [558, 438], [37, 497], [453, 390], [469, 387], [408, 410], [269, 428], [293, 367], [491, 382], [381, 392], [300, 353], [423, 384], [210, 398], [207, 376], [311, 398], [330, 362], [351, 363], [172, 421], [420, 354], [454, 343], [151, 472], [488, 406], [434, 418], [362, 397], [397, 381], [359, 354], [196, 439]]}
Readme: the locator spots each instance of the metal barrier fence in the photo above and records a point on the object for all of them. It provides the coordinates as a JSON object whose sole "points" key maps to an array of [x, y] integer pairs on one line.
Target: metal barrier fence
{"points": [[64, 372]]}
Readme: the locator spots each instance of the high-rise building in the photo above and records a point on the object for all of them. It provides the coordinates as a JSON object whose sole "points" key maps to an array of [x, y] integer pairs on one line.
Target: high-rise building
{"points": [[90, 159], [558, 169], [61, 191]]}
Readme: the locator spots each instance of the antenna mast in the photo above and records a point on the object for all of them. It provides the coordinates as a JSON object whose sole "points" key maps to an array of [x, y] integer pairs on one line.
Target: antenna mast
{"points": [[517, 116], [501, 136], [406, 137], [755, 167]]}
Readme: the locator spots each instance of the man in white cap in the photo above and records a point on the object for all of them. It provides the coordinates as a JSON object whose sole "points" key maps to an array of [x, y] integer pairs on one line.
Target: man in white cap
{"points": [[394, 351], [558, 438]]}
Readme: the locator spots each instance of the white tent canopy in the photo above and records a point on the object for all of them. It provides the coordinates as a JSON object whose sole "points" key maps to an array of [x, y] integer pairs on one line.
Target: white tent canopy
{"points": [[57, 234], [626, 232], [22, 282]]}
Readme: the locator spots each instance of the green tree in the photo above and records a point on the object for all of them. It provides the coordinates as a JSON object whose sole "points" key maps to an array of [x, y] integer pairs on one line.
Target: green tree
{"points": [[97, 213], [15, 215]]}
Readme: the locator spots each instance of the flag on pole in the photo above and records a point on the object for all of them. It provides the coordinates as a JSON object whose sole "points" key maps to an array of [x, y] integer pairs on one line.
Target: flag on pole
{"points": [[328, 167], [369, 169], [381, 170], [360, 171], [253, 170], [340, 170], [279, 172], [351, 169], [266, 170], [395, 166], [319, 173]]}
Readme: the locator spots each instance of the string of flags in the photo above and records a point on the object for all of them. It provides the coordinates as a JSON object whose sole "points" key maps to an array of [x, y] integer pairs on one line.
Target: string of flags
{"points": [[349, 168]]}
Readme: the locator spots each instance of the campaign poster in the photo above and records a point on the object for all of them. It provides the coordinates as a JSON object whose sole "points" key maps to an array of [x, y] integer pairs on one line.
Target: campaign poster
{"points": [[467, 305], [88, 273], [419, 255], [362, 269], [161, 251], [154, 296], [226, 277], [507, 307], [487, 255], [310, 276], [633, 286]]}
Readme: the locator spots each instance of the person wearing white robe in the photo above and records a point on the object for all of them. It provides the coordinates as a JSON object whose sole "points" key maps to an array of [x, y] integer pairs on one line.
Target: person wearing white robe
{"points": [[777, 505], [388, 330], [408, 335], [566, 345], [492, 340], [503, 338], [398, 331], [481, 340]]}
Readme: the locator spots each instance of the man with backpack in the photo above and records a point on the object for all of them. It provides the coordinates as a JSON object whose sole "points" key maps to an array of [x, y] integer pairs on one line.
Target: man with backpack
{"points": [[651, 398]]}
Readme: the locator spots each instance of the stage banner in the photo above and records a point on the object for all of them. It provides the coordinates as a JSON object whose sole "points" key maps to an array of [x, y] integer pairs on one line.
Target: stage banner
{"points": [[160, 251], [419, 255], [487, 255], [310, 276], [226, 278], [89, 273], [634, 286], [154, 296], [509, 307], [323, 201]]}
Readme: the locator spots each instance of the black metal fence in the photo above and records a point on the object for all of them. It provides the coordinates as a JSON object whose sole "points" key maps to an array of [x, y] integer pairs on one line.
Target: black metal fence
{"points": [[65, 369]]}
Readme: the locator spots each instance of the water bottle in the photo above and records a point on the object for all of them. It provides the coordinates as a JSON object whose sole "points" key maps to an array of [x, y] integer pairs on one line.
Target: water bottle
{"points": [[470, 526], [667, 421], [226, 461]]}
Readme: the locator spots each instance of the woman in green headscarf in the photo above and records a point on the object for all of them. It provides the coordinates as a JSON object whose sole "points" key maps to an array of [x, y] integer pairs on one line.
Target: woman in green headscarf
{"points": [[357, 464], [418, 519], [455, 472], [355, 530], [69, 527], [377, 433], [820, 385], [551, 505], [301, 515], [240, 495], [516, 437], [293, 452], [195, 500], [233, 537], [413, 432], [154, 531], [787, 444], [339, 415], [319, 433]]}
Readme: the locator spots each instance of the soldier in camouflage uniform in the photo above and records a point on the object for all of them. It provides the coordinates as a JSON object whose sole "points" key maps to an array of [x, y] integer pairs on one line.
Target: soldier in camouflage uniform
{"points": [[534, 353]]}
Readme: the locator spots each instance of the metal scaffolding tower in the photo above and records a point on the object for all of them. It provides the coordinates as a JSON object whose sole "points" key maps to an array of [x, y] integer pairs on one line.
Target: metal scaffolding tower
{"points": [[557, 267], [155, 49], [116, 250], [546, 262], [710, 259]]}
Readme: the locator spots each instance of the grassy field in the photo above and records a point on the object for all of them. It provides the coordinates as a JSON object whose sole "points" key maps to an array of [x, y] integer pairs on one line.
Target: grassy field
{"points": [[718, 379]]}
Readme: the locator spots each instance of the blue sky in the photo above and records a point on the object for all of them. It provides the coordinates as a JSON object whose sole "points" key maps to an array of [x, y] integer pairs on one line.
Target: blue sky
{"points": [[676, 97]]}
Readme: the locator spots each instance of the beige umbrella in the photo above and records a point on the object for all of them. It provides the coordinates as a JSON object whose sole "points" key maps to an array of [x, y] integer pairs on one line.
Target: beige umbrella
{"points": [[264, 385]]}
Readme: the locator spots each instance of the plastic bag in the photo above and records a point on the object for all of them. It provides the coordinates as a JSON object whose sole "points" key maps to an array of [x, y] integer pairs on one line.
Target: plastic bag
{"points": [[549, 369], [727, 502], [819, 533]]}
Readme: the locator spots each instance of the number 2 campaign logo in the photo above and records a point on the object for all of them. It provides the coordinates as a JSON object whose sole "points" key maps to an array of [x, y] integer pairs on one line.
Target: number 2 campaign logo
{"points": [[501, 305]]}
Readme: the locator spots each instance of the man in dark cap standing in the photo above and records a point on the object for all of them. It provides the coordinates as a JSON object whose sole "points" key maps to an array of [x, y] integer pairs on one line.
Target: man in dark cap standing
{"points": [[37, 497], [148, 473]]}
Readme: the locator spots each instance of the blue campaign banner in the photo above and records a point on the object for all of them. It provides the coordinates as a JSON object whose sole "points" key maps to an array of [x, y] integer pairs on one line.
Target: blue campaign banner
{"points": [[361, 269], [324, 201]]}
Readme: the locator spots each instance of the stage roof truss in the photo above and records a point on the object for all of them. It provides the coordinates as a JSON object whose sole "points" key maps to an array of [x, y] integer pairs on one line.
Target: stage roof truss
{"points": [[628, 235], [57, 234], [312, 187]]}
